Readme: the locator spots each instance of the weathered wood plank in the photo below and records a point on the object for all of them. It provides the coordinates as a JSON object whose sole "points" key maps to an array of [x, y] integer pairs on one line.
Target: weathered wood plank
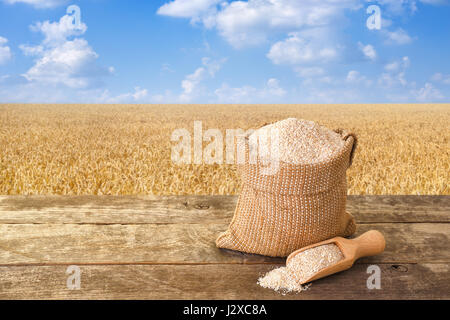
{"points": [[198, 209], [409, 281], [116, 209], [407, 208], [187, 244]]}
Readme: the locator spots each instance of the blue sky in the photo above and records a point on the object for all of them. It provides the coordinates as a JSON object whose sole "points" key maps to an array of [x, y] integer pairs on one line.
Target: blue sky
{"points": [[215, 51]]}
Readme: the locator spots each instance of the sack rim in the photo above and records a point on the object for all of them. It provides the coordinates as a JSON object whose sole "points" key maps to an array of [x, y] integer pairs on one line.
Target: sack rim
{"points": [[350, 142]]}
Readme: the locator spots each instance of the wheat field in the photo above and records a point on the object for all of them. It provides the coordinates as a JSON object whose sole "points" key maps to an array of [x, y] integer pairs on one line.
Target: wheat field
{"points": [[126, 149]]}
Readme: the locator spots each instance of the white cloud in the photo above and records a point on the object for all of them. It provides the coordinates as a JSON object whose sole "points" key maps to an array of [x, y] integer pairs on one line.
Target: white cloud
{"points": [[227, 94], [397, 65], [246, 23], [399, 36], [265, 17], [310, 72], [434, 2], [385, 23], [61, 61], [297, 50], [191, 82], [248, 94], [400, 7], [187, 8], [70, 63], [58, 32], [405, 62], [395, 73], [428, 93], [368, 51], [166, 97], [5, 51], [353, 76], [397, 6], [212, 66], [167, 68], [31, 50], [32, 92], [139, 95], [318, 79], [388, 80], [332, 95], [393, 66], [39, 3], [442, 78], [273, 88]]}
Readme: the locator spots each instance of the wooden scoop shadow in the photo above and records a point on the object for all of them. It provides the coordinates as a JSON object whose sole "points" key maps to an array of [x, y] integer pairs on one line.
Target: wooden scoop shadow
{"points": [[368, 244]]}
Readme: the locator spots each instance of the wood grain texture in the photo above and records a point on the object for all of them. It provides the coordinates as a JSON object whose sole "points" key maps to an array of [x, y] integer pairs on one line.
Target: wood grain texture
{"points": [[186, 243], [147, 247], [198, 209], [407, 281]]}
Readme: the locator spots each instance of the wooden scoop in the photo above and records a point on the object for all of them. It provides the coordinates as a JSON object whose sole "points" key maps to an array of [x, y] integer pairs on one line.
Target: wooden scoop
{"points": [[368, 244]]}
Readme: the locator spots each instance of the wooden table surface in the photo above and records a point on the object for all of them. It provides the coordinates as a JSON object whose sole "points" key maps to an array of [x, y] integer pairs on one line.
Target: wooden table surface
{"points": [[149, 247]]}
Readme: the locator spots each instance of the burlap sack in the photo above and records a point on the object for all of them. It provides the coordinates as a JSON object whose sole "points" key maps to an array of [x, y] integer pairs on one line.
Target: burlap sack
{"points": [[298, 206]]}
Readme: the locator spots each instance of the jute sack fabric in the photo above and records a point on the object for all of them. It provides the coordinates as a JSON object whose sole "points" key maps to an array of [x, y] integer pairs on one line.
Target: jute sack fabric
{"points": [[300, 205]]}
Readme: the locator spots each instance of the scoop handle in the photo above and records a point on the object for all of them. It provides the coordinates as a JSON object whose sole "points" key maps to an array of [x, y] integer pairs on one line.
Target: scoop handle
{"points": [[369, 243]]}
